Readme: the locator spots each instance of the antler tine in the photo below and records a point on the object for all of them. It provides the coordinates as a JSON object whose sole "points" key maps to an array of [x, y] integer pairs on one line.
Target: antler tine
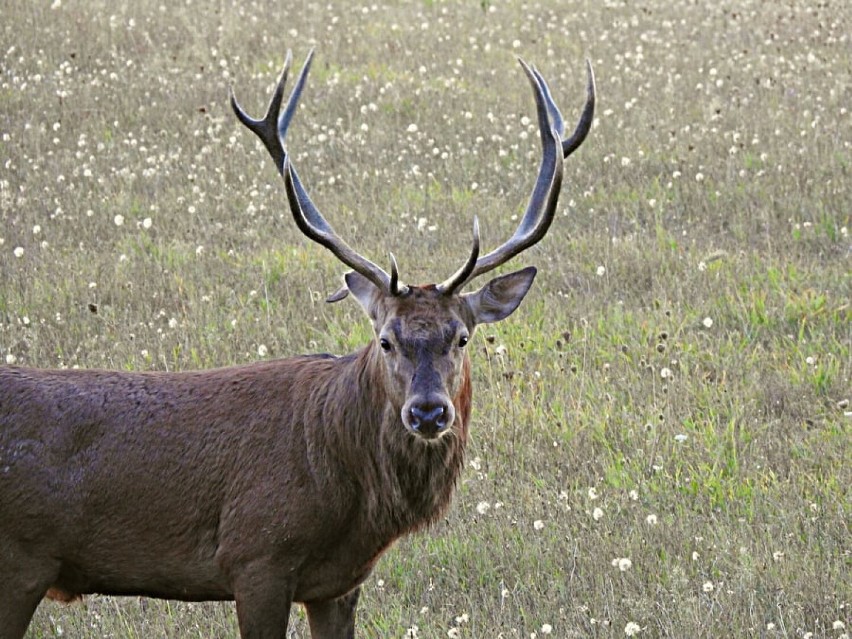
{"points": [[266, 128], [457, 279], [584, 124], [557, 122], [272, 130], [394, 277], [293, 101]]}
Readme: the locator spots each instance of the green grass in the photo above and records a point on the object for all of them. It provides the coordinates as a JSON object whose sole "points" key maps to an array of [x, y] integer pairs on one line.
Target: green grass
{"points": [[699, 381]]}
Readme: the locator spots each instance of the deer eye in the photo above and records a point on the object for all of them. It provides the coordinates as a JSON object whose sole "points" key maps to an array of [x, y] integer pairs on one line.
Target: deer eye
{"points": [[385, 344], [463, 340]]}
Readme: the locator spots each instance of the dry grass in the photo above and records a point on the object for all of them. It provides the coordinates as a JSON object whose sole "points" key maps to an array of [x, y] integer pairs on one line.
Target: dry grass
{"points": [[674, 392]]}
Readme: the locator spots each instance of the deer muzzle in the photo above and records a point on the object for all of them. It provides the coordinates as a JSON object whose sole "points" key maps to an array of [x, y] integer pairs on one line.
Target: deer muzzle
{"points": [[428, 418]]}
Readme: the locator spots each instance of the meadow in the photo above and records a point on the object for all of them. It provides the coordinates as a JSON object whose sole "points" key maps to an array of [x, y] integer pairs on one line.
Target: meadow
{"points": [[661, 434]]}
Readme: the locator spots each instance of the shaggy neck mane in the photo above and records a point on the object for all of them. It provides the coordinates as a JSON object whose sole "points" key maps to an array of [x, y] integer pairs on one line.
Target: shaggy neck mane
{"points": [[405, 482]]}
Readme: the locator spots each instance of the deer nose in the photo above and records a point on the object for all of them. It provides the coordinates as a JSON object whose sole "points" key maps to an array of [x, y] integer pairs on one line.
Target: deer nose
{"points": [[428, 418]]}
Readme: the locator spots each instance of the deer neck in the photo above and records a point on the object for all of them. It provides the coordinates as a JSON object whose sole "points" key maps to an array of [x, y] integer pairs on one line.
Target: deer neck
{"points": [[405, 482]]}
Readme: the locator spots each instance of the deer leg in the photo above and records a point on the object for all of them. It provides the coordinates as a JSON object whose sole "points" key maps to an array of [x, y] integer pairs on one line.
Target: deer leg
{"points": [[333, 618], [23, 583], [263, 605], [16, 611]]}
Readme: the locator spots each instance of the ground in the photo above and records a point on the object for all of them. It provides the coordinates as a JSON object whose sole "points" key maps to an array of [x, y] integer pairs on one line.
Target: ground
{"points": [[660, 442]]}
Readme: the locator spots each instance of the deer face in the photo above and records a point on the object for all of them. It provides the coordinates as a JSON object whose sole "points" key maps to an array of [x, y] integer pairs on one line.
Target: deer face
{"points": [[422, 335], [421, 331]]}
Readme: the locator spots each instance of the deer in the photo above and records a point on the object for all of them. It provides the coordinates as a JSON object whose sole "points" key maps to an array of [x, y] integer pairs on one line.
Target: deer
{"points": [[271, 483]]}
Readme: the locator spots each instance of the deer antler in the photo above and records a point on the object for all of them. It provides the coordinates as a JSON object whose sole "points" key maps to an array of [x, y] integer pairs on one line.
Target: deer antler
{"points": [[272, 129], [542, 204]]}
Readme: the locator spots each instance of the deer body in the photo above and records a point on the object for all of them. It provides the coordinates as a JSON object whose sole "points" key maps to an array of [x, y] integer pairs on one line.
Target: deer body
{"points": [[283, 457], [267, 483]]}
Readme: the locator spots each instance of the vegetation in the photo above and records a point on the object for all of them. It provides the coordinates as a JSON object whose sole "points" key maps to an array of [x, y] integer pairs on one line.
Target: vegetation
{"points": [[661, 438]]}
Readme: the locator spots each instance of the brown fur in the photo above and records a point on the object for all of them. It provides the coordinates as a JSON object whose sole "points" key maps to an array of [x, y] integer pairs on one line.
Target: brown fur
{"points": [[269, 483], [289, 476]]}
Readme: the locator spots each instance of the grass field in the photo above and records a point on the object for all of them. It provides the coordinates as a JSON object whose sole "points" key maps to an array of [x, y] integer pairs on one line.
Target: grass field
{"points": [[661, 436]]}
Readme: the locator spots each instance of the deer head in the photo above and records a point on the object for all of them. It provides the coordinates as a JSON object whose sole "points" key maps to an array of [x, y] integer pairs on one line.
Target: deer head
{"points": [[421, 331]]}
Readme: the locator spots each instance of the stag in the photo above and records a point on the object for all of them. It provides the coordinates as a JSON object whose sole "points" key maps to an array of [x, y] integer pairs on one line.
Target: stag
{"points": [[270, 483]]}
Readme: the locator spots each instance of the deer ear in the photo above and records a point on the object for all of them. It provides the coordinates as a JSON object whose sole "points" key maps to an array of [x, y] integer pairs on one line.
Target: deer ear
{"points": [[340, 294], [500, 297], [362, 290]]}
